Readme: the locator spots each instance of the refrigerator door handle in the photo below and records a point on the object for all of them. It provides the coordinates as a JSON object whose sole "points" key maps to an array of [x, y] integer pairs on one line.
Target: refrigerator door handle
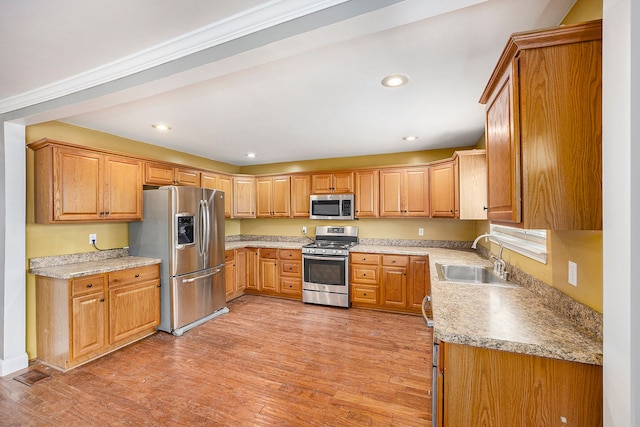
{"points": [[193, 279], [207, 230], [203, 225]]}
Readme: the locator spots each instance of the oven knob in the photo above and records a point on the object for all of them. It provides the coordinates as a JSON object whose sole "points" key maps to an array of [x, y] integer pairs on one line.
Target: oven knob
{"points": [[335, 252]]}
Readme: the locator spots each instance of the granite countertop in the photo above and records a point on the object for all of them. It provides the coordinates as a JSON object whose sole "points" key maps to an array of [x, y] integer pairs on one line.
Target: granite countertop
{"points": [[497, 317], [72, 270]]}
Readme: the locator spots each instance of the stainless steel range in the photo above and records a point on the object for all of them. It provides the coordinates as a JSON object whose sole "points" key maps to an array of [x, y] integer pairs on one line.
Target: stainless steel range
{"points": [[325, 266]]}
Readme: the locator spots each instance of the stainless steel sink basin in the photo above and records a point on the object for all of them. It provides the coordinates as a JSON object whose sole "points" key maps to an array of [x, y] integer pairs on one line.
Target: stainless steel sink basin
{"points": [[469, 274]]}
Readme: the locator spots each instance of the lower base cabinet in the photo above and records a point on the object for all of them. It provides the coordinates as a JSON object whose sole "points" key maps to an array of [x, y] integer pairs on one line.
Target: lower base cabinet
{"points": [[485, 387], [78, 320], [389, 282], [275, 272]]}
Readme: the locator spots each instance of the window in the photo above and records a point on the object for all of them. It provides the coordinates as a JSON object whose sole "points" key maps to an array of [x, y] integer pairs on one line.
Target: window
{"points": [[530, 243]]}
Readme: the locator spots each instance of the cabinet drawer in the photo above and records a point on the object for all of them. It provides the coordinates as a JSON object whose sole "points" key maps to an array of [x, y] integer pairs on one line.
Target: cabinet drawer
{"points": [[290, 268], [290, 254], [364, 274], [289, 285], [395, 260], [229, 255], [132, 275], [87, 285], [268, 253], [364, 294], [359, 258]]}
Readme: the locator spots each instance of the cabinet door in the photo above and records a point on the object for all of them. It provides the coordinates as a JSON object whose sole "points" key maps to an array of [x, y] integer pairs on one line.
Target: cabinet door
{"points": [[442, 190], [88, 324], [187, 177], [244, 192], [391, 192], [419, 282], [158, 174], [393, 284], [472, 184], [281, 196], [268, 275], [264, 197], [224, 183], [415, 193], [209, 180], [78, 185], [241, 269], [133, 309], [300, 192], [230, 273], [123, 188], [252, 269], [321, 183], [342, 182], [366, 193], [503, 157]]}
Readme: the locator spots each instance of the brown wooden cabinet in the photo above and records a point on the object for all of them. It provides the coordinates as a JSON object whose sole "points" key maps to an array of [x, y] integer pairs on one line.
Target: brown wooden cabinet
{"points": [[84, 318], [367, 190], [72, 184], [273, 196], [235, 272], [389, 282], [222, 183], [404, 192], [472, 184], [336, 182], [544, 130], [268, 271], [158, 173], [300, 192], [134, 302], [290, 272], [251, 281], [244, 201], [443, 189], [479, 386]]}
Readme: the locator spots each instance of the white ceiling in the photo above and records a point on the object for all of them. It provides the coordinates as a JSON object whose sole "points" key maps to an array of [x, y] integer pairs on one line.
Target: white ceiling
{"points": [[314, 94]]}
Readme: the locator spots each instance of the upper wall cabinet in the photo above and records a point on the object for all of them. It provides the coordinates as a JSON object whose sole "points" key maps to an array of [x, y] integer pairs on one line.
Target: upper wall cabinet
{"points": [[244, 196], [337, 182], [458, 186], [544, 130], [300, 192], [404, 192], [273, 196], [366, 193], [165, 174], [219, 182], [72, 184]]}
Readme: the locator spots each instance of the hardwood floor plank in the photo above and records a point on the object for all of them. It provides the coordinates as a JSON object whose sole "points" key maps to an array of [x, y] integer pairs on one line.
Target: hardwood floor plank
{"points": [[269, 362]]}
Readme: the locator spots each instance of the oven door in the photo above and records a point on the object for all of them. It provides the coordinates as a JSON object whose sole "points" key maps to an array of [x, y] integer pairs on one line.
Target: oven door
{"points": [[325, 273]]}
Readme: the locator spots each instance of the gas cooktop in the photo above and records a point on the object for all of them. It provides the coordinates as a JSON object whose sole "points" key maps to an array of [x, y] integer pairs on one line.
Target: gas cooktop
{"points": [[332, 240]]}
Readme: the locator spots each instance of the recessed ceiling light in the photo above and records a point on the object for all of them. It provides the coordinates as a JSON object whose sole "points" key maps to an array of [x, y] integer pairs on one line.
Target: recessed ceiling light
{"points": [[395, 80], [410, 138], [250, 155], [161, 127]]}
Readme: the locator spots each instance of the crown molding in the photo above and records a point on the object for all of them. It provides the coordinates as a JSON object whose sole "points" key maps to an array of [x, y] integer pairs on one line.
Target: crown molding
{"points": [[251, 21]]}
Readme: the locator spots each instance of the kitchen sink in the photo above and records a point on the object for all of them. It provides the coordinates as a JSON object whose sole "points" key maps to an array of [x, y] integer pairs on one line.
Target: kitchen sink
{"points": [[470, 274]]}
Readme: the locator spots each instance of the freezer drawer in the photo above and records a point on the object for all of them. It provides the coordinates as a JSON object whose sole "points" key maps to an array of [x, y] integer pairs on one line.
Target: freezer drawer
{"points": [[196, 295]]}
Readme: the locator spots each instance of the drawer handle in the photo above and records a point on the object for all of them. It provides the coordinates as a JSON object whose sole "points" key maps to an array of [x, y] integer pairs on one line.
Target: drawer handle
{"points": [[364, 275], [137, 275], [365, 294], [101, 299], [90, 285]]}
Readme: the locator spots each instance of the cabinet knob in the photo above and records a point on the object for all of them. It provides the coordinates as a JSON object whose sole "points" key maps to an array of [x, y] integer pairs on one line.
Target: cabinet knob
{"points": [[364, 275], [159, 285], [365, 294], [90, 285], [137, 275], [101, 299], [485, 208]]}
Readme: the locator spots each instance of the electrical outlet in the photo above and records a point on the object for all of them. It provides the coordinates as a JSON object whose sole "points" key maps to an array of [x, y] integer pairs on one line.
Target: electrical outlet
{"points": [[92, 239], [573, 273], [420, 231], [304, 228]]}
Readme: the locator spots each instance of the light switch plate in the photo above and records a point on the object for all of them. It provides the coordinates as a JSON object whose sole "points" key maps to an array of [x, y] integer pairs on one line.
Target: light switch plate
{"points": [[573, 273]]}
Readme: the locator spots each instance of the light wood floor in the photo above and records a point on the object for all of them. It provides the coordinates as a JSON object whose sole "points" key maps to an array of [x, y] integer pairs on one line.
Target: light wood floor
{"points": [[268, 362]]}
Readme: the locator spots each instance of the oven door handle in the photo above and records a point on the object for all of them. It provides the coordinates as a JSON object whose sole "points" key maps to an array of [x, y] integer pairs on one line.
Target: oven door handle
{"points": [[324, 258]]}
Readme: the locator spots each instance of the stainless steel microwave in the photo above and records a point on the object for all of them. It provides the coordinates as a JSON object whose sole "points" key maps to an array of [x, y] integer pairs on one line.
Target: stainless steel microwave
{"points": [[331, 206]]}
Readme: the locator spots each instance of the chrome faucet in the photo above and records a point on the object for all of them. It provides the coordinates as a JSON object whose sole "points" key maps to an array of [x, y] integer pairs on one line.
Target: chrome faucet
{"points": [[499, 266]]}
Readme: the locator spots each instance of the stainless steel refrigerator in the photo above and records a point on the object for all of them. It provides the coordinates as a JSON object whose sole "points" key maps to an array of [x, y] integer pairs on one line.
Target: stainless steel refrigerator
{"points": [[184, 226]]}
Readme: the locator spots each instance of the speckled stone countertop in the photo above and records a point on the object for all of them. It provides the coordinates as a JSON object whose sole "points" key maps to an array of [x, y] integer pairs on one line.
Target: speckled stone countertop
{"points": [[86, 264], [497, 317], [264, 244]]}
